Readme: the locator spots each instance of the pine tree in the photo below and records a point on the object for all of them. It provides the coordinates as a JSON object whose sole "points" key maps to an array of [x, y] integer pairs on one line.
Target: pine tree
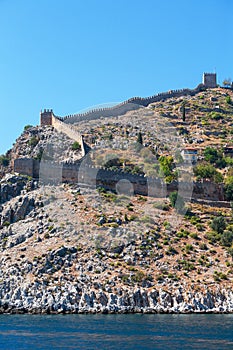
{"points": [[139, 139], [183, 112]]}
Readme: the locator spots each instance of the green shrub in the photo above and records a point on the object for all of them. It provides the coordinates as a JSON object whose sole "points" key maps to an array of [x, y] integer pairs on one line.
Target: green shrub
{"points": [[161, 205], [200, 227], [171, 251], [6, 223], [33, 141], [227, 238], [186, 265], [213, 237], [215, 115], [177, 201], [27, 127], [76, 146], [219, 275], [188, 248], [218, 224], [228, 188], [193, 235], [139, 276], [228, 100], [203, 246], [4, 161], [230, 252], [182, 233], [207, 171], [214, 156]]}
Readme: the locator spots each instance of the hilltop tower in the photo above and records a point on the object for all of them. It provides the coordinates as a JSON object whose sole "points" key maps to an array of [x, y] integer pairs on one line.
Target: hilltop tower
{"points": [[46, 117], [210, 80]]}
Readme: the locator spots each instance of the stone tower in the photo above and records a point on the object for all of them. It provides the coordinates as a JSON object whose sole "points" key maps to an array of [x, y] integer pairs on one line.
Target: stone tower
{"points": [[210, 80], [46, 117]]}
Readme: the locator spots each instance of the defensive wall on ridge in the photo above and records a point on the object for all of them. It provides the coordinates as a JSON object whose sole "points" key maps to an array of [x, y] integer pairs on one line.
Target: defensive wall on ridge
{"points": [[64, 124], [84, 174], [129, 105], [48, 118], [91, 176]]}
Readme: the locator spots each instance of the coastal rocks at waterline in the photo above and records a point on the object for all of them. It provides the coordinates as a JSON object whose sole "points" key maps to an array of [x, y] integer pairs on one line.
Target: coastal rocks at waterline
{"points": [[69, 297]]}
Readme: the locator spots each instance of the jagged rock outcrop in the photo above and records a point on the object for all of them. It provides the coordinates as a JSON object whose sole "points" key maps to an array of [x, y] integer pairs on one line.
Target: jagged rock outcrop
{"points": [[11, 186], [20, 297], [44, 143], [70, 294]]}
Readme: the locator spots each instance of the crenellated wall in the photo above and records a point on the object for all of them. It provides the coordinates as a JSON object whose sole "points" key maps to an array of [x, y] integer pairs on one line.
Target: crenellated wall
{"points": [[70, 131], [63, 124], [129, 105], [51, 172], [47, 117], [116, 181]]}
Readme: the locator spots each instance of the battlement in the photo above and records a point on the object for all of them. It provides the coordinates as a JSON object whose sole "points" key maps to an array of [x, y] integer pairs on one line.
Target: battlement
{"points": [[131, 104], [87, 175], [134, 103]]}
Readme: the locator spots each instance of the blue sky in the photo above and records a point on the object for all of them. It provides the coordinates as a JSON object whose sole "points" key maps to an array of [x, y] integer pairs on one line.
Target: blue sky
{"points": [[72, 54]]}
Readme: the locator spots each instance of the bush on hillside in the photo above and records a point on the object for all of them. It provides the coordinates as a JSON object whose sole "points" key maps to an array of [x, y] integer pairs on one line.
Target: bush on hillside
{"points": [[218, 224], [207, 171], [76, 146], [4, 161]]}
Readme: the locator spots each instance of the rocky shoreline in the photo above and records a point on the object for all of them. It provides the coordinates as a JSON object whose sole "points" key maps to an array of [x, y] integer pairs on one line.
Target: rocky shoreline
{"points": [[36, 298]]}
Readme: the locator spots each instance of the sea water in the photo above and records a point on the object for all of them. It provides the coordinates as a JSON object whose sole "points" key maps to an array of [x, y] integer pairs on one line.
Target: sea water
{"points": [[135, 331]]}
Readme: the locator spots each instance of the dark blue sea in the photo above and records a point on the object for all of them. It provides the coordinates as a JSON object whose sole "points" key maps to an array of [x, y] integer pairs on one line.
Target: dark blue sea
{"points": [[116, 332]]}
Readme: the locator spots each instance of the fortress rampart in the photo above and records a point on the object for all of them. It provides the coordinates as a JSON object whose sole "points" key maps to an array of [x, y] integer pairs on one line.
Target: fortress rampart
{"points": [[64, 124], [129, 105], [48, 118], [117, 181], [84, 174]]}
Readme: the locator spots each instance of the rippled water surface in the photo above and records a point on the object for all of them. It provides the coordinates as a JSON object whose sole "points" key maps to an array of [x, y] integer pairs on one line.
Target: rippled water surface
{"points": [[116, 332]]}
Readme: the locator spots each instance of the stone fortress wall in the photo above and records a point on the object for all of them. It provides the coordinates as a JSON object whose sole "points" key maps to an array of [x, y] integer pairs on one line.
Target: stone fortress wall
{"points": [[48, 118], [129, 105], [117, 181], [88, 175]]}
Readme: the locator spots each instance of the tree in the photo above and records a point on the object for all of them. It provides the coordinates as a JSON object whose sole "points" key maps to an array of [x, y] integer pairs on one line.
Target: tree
{"points": [[183, 111], [211, 154], [214, 156], [207, 171], [228, 188], [176, 201], [4, 161], [227, 82], [165, 168], [27, 127], [218, 224], [227, 238], [139, 138]]}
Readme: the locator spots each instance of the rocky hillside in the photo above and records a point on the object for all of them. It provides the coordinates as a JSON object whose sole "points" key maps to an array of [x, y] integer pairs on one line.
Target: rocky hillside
{"points": [[71, 249], [43, 142]]}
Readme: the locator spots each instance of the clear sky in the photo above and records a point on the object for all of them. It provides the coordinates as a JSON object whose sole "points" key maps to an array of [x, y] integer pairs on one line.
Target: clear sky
{"points": [[72, 54]]}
